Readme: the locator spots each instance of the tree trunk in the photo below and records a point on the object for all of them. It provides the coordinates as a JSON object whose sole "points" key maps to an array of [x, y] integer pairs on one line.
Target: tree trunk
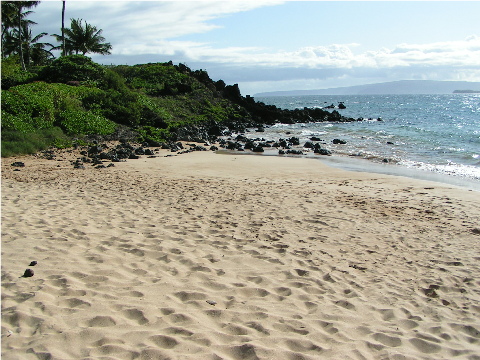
{"points": [[64, 51], [20, 45]]}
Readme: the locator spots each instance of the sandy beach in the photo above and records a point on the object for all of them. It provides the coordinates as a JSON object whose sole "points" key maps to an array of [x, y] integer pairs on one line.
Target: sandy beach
{"points": [[212, 256]]}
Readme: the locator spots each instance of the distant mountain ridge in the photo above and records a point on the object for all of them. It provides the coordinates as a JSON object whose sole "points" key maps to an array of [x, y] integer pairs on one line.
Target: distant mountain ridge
{"points": [[393, 87]]}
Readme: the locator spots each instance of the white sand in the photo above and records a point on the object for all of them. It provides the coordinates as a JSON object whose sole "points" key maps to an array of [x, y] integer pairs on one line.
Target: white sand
{"points": [[300, 261]]}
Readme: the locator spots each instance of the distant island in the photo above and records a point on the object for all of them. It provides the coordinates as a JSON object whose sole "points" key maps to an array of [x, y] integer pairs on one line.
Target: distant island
{"points": [[387, 88], [466, 91]]}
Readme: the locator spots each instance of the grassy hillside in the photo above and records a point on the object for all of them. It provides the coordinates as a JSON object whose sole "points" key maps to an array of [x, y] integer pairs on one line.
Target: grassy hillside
{"points": [[75, 99]]}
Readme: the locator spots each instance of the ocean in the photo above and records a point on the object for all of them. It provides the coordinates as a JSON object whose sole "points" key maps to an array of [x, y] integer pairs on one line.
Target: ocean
{"points": [[434, 134]]}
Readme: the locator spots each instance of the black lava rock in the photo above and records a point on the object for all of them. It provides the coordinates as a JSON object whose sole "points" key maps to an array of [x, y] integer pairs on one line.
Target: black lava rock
{"points": [[321, 151], [78, 165], [295, 152], [294, 140], [250, 145], [28, 273], [140, 151], [104, 156]]}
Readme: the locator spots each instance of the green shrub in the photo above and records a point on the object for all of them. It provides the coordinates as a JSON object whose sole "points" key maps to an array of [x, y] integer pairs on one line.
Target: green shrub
{"points": [[150, 133], [19, 143], [72, 68], [153, 114], [156, 79], [218, 112], [78, 122], [27, 108], [112, 80], [12, 73], [121, 107], [39, 105]]}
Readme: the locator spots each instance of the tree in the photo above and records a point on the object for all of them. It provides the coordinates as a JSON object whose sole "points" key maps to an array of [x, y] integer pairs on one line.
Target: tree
{"points": [[34, 51], [83, 38], [13, 17], [20, 5], [64, 53], [9, 13]]}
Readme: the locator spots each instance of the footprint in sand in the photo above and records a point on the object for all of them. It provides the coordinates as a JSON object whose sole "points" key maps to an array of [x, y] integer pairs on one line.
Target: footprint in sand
{"points": [[283, 291], [257, 326], [189, 296], [164, 342], [75, 303], [136, 315], [235, 329], [101, 321], [391, 341], [424, 346]]}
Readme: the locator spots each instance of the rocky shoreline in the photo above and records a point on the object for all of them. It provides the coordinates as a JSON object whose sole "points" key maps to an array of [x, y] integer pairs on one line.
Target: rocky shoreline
{"points": [[256, 114], [102, 154]]}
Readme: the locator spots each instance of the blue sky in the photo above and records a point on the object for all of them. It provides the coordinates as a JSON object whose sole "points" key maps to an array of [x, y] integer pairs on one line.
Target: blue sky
{"points": [[268, 45]]}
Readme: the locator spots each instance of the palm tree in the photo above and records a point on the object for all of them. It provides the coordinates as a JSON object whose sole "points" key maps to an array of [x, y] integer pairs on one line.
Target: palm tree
{"points": [[80, 38], [14, 18], [9, 13], [34, 51], [20, 5], [63, 29]]}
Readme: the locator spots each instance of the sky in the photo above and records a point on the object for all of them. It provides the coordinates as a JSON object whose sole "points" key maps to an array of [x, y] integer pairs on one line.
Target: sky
{"points": [[269, 45]]}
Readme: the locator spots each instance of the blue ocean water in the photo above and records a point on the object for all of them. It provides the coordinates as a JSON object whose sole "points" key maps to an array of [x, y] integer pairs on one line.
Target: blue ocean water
{"points": [[435, 133]]}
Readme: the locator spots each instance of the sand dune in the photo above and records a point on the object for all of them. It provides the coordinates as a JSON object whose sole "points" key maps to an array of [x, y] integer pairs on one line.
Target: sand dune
{"points": [[208, 256]]}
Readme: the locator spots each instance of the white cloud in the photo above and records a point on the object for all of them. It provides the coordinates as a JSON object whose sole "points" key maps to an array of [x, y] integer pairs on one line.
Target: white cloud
{"points": [[452, 53], [149, 31], [153, 21], [155, 27], [143, 25], [464, 53]]}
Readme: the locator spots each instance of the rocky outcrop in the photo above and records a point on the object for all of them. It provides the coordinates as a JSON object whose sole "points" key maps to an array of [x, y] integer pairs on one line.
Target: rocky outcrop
{"points": [[284, 146], [98, 153]]}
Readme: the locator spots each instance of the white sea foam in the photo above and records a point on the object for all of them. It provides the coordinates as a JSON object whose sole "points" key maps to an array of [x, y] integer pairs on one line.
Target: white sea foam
{"points": [[435, 133], [312, 133], [453, 169]]}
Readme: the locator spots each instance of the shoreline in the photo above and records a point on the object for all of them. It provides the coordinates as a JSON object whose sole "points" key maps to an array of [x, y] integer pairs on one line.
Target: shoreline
{"points": [[204, 256], [358, 164], [342, 162]]}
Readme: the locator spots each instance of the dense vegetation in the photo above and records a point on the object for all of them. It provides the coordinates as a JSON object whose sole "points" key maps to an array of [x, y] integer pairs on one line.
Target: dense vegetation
{"points": [[76, 98]]}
